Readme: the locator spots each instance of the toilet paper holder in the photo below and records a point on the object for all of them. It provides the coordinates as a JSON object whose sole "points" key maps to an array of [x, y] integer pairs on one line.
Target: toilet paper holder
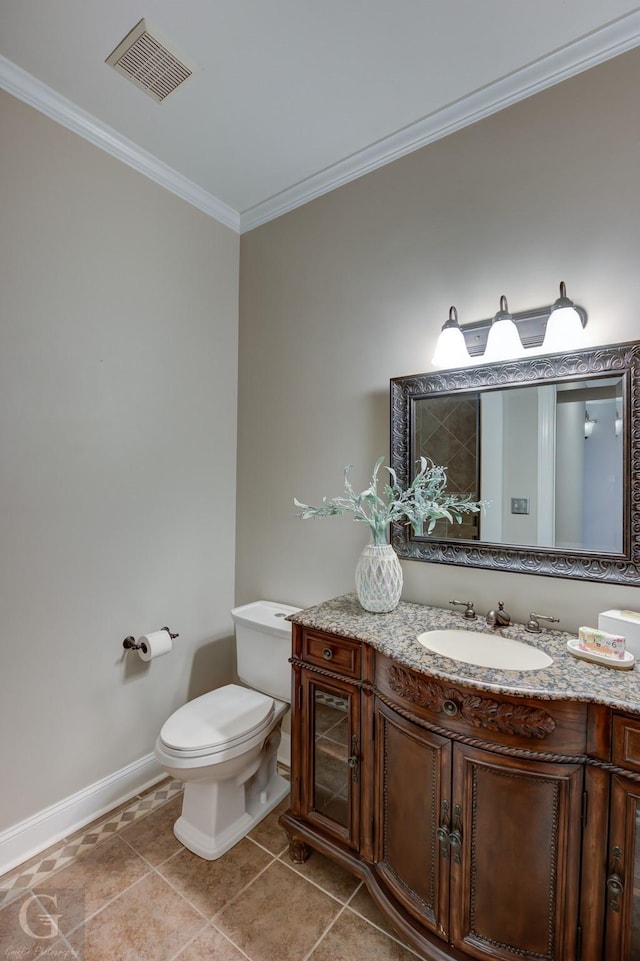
{"points": [[130, 643]]}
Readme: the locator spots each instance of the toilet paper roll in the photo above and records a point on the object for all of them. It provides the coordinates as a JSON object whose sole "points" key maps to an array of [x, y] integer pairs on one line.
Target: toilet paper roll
{"points": [[154, 645]]}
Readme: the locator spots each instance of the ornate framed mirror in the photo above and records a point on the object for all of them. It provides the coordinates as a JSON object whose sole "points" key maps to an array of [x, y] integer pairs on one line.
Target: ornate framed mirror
{"points": [[551, 442]]}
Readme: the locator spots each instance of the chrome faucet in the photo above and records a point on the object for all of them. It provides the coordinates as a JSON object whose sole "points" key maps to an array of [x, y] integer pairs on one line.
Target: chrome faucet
{"points": [[498, 618]]}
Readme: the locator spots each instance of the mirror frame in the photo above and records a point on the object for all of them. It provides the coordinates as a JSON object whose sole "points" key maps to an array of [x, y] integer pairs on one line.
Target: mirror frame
{"points": [[615, 359]]}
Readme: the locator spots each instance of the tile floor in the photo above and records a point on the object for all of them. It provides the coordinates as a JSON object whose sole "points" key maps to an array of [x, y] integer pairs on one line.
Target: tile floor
{"points": [[126, 890]]}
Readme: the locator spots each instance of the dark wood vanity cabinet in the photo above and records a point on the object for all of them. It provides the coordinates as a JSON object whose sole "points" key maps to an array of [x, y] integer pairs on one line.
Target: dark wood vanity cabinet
{"points": [[483, 849], [623, 856], [515, 894], [325, 736], [330, 783], [465, 812]]}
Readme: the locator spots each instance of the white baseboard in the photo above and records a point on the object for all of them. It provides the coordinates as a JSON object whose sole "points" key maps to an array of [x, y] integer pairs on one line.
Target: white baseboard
{"points": [[29, 837]]}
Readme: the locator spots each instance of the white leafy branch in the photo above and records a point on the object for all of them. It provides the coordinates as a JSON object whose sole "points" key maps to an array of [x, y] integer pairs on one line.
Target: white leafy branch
{"points": [[424, 501]]}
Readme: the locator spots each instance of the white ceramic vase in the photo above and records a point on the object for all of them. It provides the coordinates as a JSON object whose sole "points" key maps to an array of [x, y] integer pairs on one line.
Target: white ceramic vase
{"points": [[378, 578]]}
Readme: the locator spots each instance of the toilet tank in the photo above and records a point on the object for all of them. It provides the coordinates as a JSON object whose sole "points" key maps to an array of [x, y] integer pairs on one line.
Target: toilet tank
{"points": [[263, 642]]}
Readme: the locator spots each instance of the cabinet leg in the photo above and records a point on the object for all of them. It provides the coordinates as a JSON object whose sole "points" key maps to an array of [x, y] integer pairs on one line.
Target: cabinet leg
{"points": [[299, 851]]}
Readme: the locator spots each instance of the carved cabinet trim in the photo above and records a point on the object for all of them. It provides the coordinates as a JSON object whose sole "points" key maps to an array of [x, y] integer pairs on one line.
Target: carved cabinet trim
{"points": [[477, 710]]}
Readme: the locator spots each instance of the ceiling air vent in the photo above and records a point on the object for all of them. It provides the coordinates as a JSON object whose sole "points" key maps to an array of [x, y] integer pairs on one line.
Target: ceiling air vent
{"points": [[149, 63]]}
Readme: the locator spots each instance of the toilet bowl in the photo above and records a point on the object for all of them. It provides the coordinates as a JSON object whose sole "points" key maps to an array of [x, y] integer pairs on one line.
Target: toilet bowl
{"points": [[224, 744]]}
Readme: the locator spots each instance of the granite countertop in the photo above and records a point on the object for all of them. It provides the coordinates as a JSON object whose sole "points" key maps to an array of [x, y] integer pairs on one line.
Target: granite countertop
{"points": [[395, 634]]}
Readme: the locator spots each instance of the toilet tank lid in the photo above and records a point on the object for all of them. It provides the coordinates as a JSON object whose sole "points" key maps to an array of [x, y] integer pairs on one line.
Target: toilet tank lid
{"points": [[219, 717], [269, 616]]}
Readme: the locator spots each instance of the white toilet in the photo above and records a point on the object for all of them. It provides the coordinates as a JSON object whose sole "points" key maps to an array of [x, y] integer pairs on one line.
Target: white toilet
{"points": [[224, 745]]}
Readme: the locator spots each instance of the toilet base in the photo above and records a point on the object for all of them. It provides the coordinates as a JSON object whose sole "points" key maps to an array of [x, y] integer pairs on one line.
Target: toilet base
{"points": [[212, 846]]}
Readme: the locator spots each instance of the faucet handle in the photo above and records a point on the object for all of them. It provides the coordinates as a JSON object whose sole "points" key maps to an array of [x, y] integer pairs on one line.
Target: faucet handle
{"points": [[502, 618], [469, 613], [533, 625]]}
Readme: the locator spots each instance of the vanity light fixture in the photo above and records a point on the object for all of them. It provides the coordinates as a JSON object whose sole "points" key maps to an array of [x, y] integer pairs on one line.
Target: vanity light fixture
{"points": [[503, 341], [618, 424], [451, 349], [565, 329], [556, 328], [588, 425]]}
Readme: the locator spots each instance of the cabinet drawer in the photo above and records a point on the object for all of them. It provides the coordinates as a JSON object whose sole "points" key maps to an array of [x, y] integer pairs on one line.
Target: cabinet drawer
{"points": [[626, 742], [335, 653], [536, 725]]}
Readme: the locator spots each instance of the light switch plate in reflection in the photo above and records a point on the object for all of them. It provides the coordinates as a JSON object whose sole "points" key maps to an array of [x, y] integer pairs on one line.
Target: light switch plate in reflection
{"points": [[519, 505]]}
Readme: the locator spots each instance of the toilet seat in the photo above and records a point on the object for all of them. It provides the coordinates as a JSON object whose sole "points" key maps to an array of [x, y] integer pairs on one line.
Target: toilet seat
{"points": [[217, 722]]}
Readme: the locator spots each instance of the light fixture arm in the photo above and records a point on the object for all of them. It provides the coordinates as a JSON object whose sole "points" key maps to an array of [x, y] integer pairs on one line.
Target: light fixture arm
{"points": [[453, 319], [530, 323]]}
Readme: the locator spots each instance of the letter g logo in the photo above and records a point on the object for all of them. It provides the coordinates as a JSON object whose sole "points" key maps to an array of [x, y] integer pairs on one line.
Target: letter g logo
{"points": [[50, 920]]}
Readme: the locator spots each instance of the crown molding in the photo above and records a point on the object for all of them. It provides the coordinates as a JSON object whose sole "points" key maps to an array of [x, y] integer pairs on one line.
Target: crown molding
{"points": [[603, 44], [35, 93], [598, 46]]}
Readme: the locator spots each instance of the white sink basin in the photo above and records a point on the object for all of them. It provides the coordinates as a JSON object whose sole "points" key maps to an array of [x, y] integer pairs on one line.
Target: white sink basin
{"points": [[485, 650]]}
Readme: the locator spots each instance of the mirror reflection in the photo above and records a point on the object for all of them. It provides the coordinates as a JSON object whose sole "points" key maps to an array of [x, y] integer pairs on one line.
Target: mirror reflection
{"points": [[548, 458]]}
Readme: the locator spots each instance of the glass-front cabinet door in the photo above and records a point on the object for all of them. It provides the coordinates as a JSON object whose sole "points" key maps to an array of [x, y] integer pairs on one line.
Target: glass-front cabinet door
{"points": [[330, 794], [623, 875]]}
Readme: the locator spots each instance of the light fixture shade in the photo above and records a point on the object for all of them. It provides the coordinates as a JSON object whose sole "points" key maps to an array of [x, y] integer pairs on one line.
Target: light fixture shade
{"points": [[564, 327], [503, 341], [618, 424], [451, 349], [588, 424]]}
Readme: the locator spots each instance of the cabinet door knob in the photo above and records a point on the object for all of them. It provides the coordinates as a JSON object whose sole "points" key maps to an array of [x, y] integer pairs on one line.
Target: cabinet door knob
{"points": [[615, 884], [353, 761], [442, 832], [455, 837], [450, 708], [327, 653]]}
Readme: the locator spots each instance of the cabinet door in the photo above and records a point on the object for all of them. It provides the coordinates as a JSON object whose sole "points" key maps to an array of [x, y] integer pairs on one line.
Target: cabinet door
{"points": [[331, 779], [623, 882], [514, 891], [413, 774]]}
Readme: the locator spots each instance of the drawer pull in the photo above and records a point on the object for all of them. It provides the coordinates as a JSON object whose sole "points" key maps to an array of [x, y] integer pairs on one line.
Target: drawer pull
{"points": [[450, 708], [327, 653]]}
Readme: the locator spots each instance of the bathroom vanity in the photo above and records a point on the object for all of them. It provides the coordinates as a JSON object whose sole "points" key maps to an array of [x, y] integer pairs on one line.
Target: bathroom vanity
{"points": [[491, 813]]}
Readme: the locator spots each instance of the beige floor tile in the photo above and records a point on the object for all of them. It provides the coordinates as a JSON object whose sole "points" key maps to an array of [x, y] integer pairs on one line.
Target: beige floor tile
{"points": [[279, 917], [89, 883], [269, 833], [209, 885], [211, 945], [152, 836], [25, 936], [326, 874], [364, 905], [149, 922], [355, 939]]}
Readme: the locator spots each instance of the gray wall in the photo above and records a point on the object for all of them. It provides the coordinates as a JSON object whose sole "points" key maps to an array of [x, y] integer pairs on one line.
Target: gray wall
{"points": [[118, 376], [352, 289]]}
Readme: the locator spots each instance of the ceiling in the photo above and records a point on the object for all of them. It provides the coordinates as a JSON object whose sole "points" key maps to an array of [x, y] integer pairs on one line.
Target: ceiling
{"points": [[291, 98]]}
